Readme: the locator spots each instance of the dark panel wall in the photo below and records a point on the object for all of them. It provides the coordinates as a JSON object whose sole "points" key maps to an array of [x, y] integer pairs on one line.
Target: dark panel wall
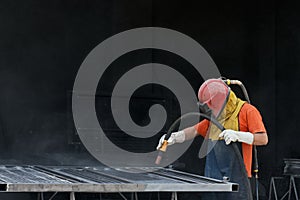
{"points": [[287, 80], [42, 45]]}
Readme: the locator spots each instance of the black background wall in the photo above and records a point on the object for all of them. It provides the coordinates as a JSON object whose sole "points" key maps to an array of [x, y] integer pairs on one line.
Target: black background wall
{"points": [[43, 43]]}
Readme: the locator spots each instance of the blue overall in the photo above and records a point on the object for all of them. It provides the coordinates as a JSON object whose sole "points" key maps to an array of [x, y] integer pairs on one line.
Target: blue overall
{"points": [[223, 161]]}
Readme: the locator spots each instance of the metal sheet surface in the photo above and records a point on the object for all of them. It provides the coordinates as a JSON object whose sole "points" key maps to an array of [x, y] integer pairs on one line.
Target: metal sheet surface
{"points": [[99, 179]]}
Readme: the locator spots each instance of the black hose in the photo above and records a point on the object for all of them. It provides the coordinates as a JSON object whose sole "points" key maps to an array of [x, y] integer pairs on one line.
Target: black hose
{"points": [[255, 157], [254, 148]]}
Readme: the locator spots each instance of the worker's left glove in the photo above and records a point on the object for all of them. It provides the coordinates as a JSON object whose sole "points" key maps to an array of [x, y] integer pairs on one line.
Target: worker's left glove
{"points": [[176, 137], [233, 136]]}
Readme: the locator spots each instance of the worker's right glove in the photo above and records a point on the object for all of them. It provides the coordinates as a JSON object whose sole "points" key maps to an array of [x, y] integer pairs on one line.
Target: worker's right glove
{"points": [[176, 137], [234, 136]]}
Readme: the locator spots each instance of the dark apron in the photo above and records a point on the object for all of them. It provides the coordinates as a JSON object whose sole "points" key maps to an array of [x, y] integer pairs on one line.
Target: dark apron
{"points": [[223, 161]]}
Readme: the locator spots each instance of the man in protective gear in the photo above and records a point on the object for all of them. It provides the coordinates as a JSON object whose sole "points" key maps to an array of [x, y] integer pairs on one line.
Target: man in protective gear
{"points": [[244, 127]]}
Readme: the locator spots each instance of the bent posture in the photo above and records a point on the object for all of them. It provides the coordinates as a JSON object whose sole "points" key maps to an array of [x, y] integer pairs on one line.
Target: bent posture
{"points": [[244, 127]]}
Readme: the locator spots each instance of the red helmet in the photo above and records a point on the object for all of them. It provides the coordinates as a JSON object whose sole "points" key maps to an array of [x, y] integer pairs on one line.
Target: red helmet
{"points": [[214, 93]]}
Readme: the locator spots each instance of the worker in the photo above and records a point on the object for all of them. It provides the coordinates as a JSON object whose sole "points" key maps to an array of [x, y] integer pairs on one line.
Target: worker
{"points": [[243, 125]]}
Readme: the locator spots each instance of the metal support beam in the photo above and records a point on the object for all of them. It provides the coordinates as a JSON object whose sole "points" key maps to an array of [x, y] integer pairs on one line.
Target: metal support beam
{"points": [[174, 196], [291, 186], [72, 196]]}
